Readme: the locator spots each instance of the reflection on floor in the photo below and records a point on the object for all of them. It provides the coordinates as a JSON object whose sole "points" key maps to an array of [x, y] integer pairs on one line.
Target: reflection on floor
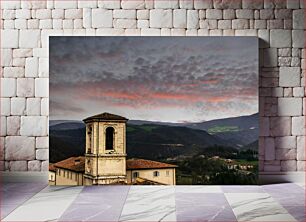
{"points": [[39, 202]]}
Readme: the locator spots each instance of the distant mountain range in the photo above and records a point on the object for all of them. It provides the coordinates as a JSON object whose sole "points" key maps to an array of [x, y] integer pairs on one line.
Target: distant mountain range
{"points": [[159, 140]]}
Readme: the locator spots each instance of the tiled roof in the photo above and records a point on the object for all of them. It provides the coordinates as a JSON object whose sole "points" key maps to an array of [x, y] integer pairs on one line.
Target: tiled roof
{"points": [[105, 116], [132, 164], [52, 168], [76, 164]]}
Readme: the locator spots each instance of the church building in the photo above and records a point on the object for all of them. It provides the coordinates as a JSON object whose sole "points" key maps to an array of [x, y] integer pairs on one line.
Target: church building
{"points": [[105, 160]]}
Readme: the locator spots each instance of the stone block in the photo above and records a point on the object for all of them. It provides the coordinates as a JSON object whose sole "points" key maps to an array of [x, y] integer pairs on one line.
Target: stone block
{"points": [[280, 126], [73, 13], [29, 38], [289, 76], [18, 166], [87, 4], [10, 4], [133, 4], [25, 87], [245, 14], [86, 18], [264, 38], [285, 154], [109, 4], [227, 4], [298, 92], [18, 106], [23, 14], [179, 18], [124, 14], [45, 107], [43, 13], [285, 142], [5, 106], [6, 57], [166, 4], [288, 165], [192, 19], [228, 14], [143, 14], [33, 106], [264, 126], [203, 4], [13, 72], [8, 14], [272, 168], [280, 38], [42, 142], [125, 23], [13, 125], [298, 19], [298, 126], [31, 67], [19, 148], [283, 14], [160, 18], [224, 24], [142, 24], [3, 129], [58, 13], [45, 165], [269, 148], [298, 38], [34, 126], [301, 148], [293, 4], [43, 68], [102, 18], [22, 53], [42, 154], [270, 57], [214, 14], [8, 87], [34, 165], [252, 4], [289, 106], [66, 4], [301, 166], [240, 24], [150, 32], [9, 38], [41, 87]]}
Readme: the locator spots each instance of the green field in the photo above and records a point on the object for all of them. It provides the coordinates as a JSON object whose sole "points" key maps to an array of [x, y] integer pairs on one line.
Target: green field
{"points": [[223, 129]]}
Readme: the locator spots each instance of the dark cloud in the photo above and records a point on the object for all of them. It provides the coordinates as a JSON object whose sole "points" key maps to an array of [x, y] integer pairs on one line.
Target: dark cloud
{"points": [[212, 77]]}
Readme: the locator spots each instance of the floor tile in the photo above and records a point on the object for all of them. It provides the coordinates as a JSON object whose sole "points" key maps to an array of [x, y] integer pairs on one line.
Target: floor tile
{"points": [[47, 205], [283, 188], [97, 203], [257, 207], [149, 203], [298, 212], [242, 189], [197, 189], [203, 207], [291, 199]]}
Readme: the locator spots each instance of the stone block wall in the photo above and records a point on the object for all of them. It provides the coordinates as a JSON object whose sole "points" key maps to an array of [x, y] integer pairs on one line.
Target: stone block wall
{"points": [[26, 25]]}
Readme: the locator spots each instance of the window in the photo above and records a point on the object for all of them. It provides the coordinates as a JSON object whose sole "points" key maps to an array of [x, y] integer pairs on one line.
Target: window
{"points": [[155, 173], [135, 174], [109, 143], [89, 134], [167, 173], [64, 173]]}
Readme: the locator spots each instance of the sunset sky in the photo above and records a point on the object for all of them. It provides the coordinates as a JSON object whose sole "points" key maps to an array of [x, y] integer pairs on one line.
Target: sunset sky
{"points": [[169, 79]]}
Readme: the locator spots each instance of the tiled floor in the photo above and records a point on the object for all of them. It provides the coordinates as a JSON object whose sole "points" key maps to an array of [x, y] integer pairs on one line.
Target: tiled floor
{"points": [[39, 202]]}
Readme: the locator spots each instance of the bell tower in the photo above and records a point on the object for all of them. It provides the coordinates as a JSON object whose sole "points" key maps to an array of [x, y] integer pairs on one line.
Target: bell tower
{"points": [[105, 152]]}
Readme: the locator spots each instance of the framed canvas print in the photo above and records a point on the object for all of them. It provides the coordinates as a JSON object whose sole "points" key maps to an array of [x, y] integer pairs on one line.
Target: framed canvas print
{"points": [[153, 110]]}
